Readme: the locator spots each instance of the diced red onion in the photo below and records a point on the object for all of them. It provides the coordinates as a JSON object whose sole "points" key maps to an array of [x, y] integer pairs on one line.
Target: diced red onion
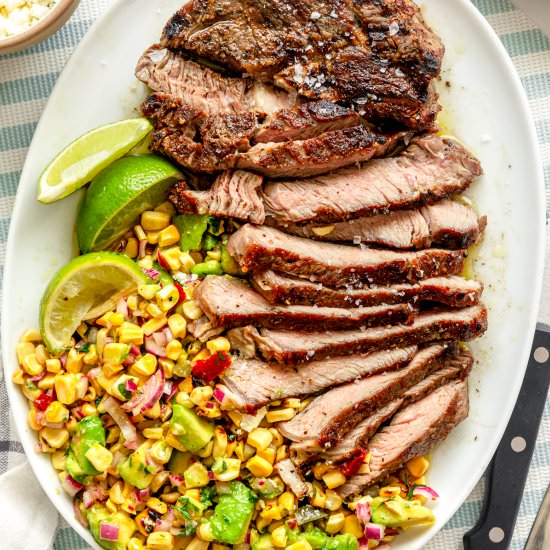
{"points": [[78, 413], [142, 248], [82, 387], [374, 531], [130, 385], [176, 480], [292, 523], [219, 395], [168, 334], [129, 360], [92, 335], [70, 486], [94, 373], [134, 350], [38, 377], [108, 531], [141, 495], [92, 494], [426, 492], [209, 405], [122, 307], [247, 538], [152, 346], [163, 525], [363, 543], [167, 387], [362, 511], [150, 393], [160, 338], [152, 273], [128, 430], [78, 514], [56, 425], [241, 546]]}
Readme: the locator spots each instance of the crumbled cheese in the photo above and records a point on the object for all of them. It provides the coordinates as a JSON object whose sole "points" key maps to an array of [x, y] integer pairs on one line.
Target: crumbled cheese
{"points": [[17, 16], [315, 15], [394, 28]]}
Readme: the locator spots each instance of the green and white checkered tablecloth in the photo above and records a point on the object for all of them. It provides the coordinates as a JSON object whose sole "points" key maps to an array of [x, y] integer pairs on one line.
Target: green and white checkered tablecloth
{"points": [[26, 80]]}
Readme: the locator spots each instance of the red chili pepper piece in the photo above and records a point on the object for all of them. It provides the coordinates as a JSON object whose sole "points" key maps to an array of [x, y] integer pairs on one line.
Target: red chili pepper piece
{"points": [[181, 292], [208, 369], [42, 401], [351, 467], [162, 261]]}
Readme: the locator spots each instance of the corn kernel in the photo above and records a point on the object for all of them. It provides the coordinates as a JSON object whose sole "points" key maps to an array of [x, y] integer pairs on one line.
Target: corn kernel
{"points": [[115, 352], [287, 501], [58, 460], [352, 526], [31, 335], [135, 544], [140, 233], [280, 415], [220, 442], [132, 302], [229, 469], [115, 493], [173, 348], [186, 262], [418, 466], [154, 412], [153, 433], [173, 441], [157, 505], [160, 540], [41, 354], [220, 547], [145, 365], [23, 349], [167, 366], [153, 237], [319, 497], [91, 357], [320, 469], [33, 422], [46, 383], [260, 438], [389, 491], [100, 457], [191, 310], [196, 476], [18, 377], [31, 365], [272, 512], [206, 451], [161, 452], [56, 412], [54, 437], [170, 498], [152, 220], [334, 478], [172, 256], [300, 544], [204, 532], [282, 453], [262, 523], [178, 325], [201, 395], [148, 292], [130, 333], [153, 325], [169, 236], [335, 523], [268, 454], [132, 247], [218, 344], [65, 388], [53, 365], [279, 537], [259, 466], [334, 501], [197, 544]]}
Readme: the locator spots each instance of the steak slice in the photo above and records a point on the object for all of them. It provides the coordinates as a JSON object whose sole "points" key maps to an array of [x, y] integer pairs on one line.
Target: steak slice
{"points": [[431, 168], [331, 415], [320, 154], [411, 433], [250, 384], [380, 55], [451, 366], [266, 248], [232, 303], [293, 347], [446, 223], [232, 195], [453, 291], [309, 120]]}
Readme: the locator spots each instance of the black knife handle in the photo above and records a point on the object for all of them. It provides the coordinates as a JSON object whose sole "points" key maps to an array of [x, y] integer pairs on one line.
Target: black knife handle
{"points": [[508, 471]]}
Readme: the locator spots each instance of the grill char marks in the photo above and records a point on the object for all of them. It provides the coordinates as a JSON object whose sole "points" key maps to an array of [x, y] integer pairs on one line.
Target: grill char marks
{"points": [[232, 303], [281, 289], [331, 415], [296, 347], [380, 55], [411, 433], [252, 383], [263, 248]]}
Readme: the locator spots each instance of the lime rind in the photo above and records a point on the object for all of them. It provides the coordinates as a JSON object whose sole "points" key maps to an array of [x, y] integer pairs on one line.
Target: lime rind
{"points": [[85, 288], [88, 155]]}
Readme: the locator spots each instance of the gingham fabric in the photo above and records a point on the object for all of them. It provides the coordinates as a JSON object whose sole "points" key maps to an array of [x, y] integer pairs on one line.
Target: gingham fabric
{"points": [[26, 80]]}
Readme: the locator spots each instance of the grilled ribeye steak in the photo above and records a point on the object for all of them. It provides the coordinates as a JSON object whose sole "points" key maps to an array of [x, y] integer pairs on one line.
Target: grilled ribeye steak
{"points": [[331, 415], [250, 383], [412, 432], [281, 289], [429, 169], [232, 303], [263, 248], [380, 56], [293, 347]]}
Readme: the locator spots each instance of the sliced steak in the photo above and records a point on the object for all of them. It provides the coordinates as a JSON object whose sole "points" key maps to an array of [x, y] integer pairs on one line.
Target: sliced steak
{"points": [[266, 248], [202, 329], [320, 154], [448, 224], [331, 415], [309, 120], [431, 168], [293, 347], [250, 384], [291, 477], [380, 55], [233, 195], [225, 134], [411, 433], [206, 90], [281, 289], [451, 366], [232, 303]]}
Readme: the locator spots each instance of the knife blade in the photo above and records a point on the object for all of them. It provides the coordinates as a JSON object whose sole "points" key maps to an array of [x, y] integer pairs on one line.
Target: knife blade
{"points": [[507, 473], [539, 538]]}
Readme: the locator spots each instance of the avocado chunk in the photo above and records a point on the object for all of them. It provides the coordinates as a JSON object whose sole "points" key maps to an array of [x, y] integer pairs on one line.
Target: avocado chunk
{"points": [[191, 227], [263, 542], [233, 513], [316, 538], [88, 431], [229, 265], [397, 512], [192, 431], [342, 542], [179, 462], [134, 469], [267, 487], [210, 267], [98, 514]]}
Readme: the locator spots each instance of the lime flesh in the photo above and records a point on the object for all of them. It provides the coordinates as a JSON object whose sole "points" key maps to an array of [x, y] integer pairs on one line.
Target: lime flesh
{"points": [[117, 197], [88, 155], [85, 288]]}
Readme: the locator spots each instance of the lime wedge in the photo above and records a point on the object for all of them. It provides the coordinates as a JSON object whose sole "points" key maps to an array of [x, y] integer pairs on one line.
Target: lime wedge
{"points": [[117, 197], [87, 287], [87, 155]]}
